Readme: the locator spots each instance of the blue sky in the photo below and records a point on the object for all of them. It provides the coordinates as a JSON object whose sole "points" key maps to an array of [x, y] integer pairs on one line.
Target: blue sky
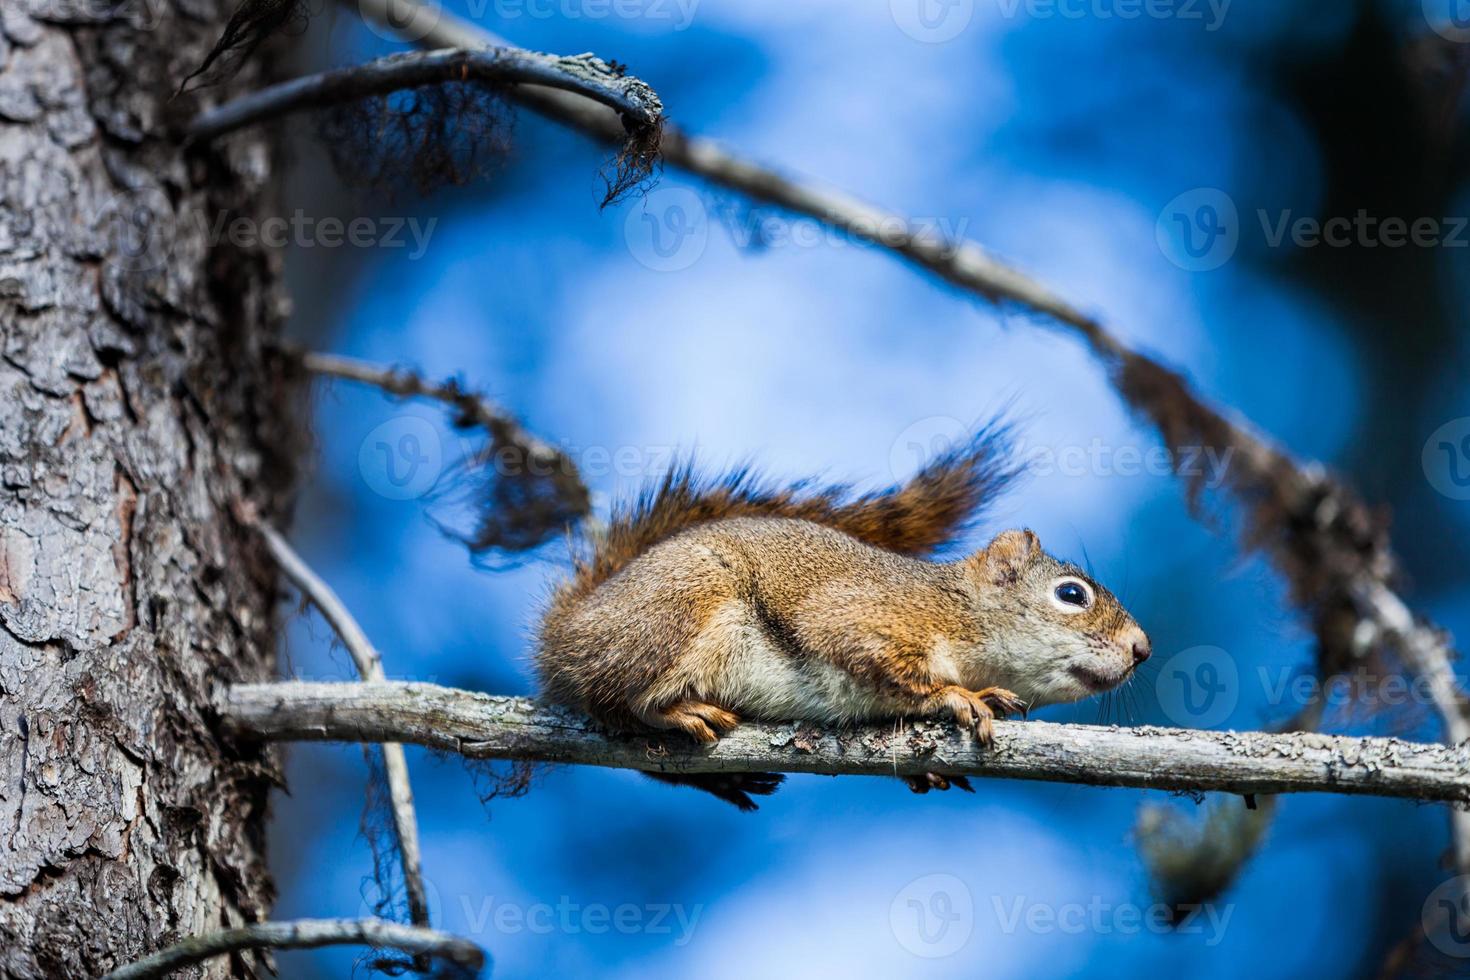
{"points": [[1056, 142]]}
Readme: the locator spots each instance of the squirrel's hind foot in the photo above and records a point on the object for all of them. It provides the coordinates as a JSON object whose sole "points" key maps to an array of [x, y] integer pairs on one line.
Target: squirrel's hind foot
{"points": [[703, 722], [924, 782]]}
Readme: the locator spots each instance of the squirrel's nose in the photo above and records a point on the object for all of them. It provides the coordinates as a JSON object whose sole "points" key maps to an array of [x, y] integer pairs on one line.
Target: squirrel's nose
{"points": [[1140, 646]]}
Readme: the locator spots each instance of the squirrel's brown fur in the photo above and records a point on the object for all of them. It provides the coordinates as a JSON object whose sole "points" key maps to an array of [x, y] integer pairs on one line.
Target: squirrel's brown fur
{"points": [[708, 601]]}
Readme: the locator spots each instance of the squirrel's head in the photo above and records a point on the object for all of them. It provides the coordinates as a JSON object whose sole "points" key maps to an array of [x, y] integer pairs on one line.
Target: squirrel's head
{"points": [[1051, 633]]}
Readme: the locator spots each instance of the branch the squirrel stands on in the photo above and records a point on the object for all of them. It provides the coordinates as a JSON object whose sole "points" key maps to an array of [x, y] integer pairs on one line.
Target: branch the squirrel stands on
{"points": [[482, 726]]}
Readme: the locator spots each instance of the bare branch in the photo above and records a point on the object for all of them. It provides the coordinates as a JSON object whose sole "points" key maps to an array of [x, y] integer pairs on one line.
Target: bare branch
{"points": [[472, 409], [963, 263], [1316, 531], [1423, 649], [307, 934], [533, 488], [370, 666], [480, 726], [585, 76]]}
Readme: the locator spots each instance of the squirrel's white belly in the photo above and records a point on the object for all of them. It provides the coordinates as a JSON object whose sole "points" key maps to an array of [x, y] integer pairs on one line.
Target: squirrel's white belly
{"points": [[759, 680]]}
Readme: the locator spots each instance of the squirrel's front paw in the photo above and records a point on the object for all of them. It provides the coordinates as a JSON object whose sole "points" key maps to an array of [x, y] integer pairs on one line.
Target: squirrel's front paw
{"points": [[977, 709], [924, 782], [1002, 702]]}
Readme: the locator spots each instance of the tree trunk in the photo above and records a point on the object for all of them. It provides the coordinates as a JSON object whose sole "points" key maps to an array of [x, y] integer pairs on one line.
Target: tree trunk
{"points": [[138, 406]]}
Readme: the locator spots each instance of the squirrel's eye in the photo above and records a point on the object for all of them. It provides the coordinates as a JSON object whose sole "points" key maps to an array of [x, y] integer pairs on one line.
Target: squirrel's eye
{"points": [[1073, 593]]}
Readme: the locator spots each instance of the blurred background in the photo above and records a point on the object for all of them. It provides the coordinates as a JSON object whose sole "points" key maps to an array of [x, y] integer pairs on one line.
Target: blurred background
{"points": [[1154, 164]]}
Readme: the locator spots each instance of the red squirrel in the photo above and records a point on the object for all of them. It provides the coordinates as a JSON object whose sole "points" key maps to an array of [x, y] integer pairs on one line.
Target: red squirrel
{"points": [[706, 602]]}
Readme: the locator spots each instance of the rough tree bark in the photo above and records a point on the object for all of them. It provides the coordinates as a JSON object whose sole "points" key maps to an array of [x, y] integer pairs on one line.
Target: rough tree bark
{"points": [[138, 405]]}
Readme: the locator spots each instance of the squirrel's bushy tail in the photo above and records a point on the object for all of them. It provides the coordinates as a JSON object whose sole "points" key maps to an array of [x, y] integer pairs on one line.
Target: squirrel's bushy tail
{"points": [[918, 518]]}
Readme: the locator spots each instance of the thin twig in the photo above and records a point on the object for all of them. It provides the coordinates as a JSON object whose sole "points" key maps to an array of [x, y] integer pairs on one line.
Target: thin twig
{"points": [[370, 666], [1424, 651], [529, 490], [473, 409], [1319, 537], [481, 726], [307, 934], [585, 76]]}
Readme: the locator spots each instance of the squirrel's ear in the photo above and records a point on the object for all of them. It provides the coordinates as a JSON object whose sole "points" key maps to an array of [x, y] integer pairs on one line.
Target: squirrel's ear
{"points": [[1009, 553]]}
